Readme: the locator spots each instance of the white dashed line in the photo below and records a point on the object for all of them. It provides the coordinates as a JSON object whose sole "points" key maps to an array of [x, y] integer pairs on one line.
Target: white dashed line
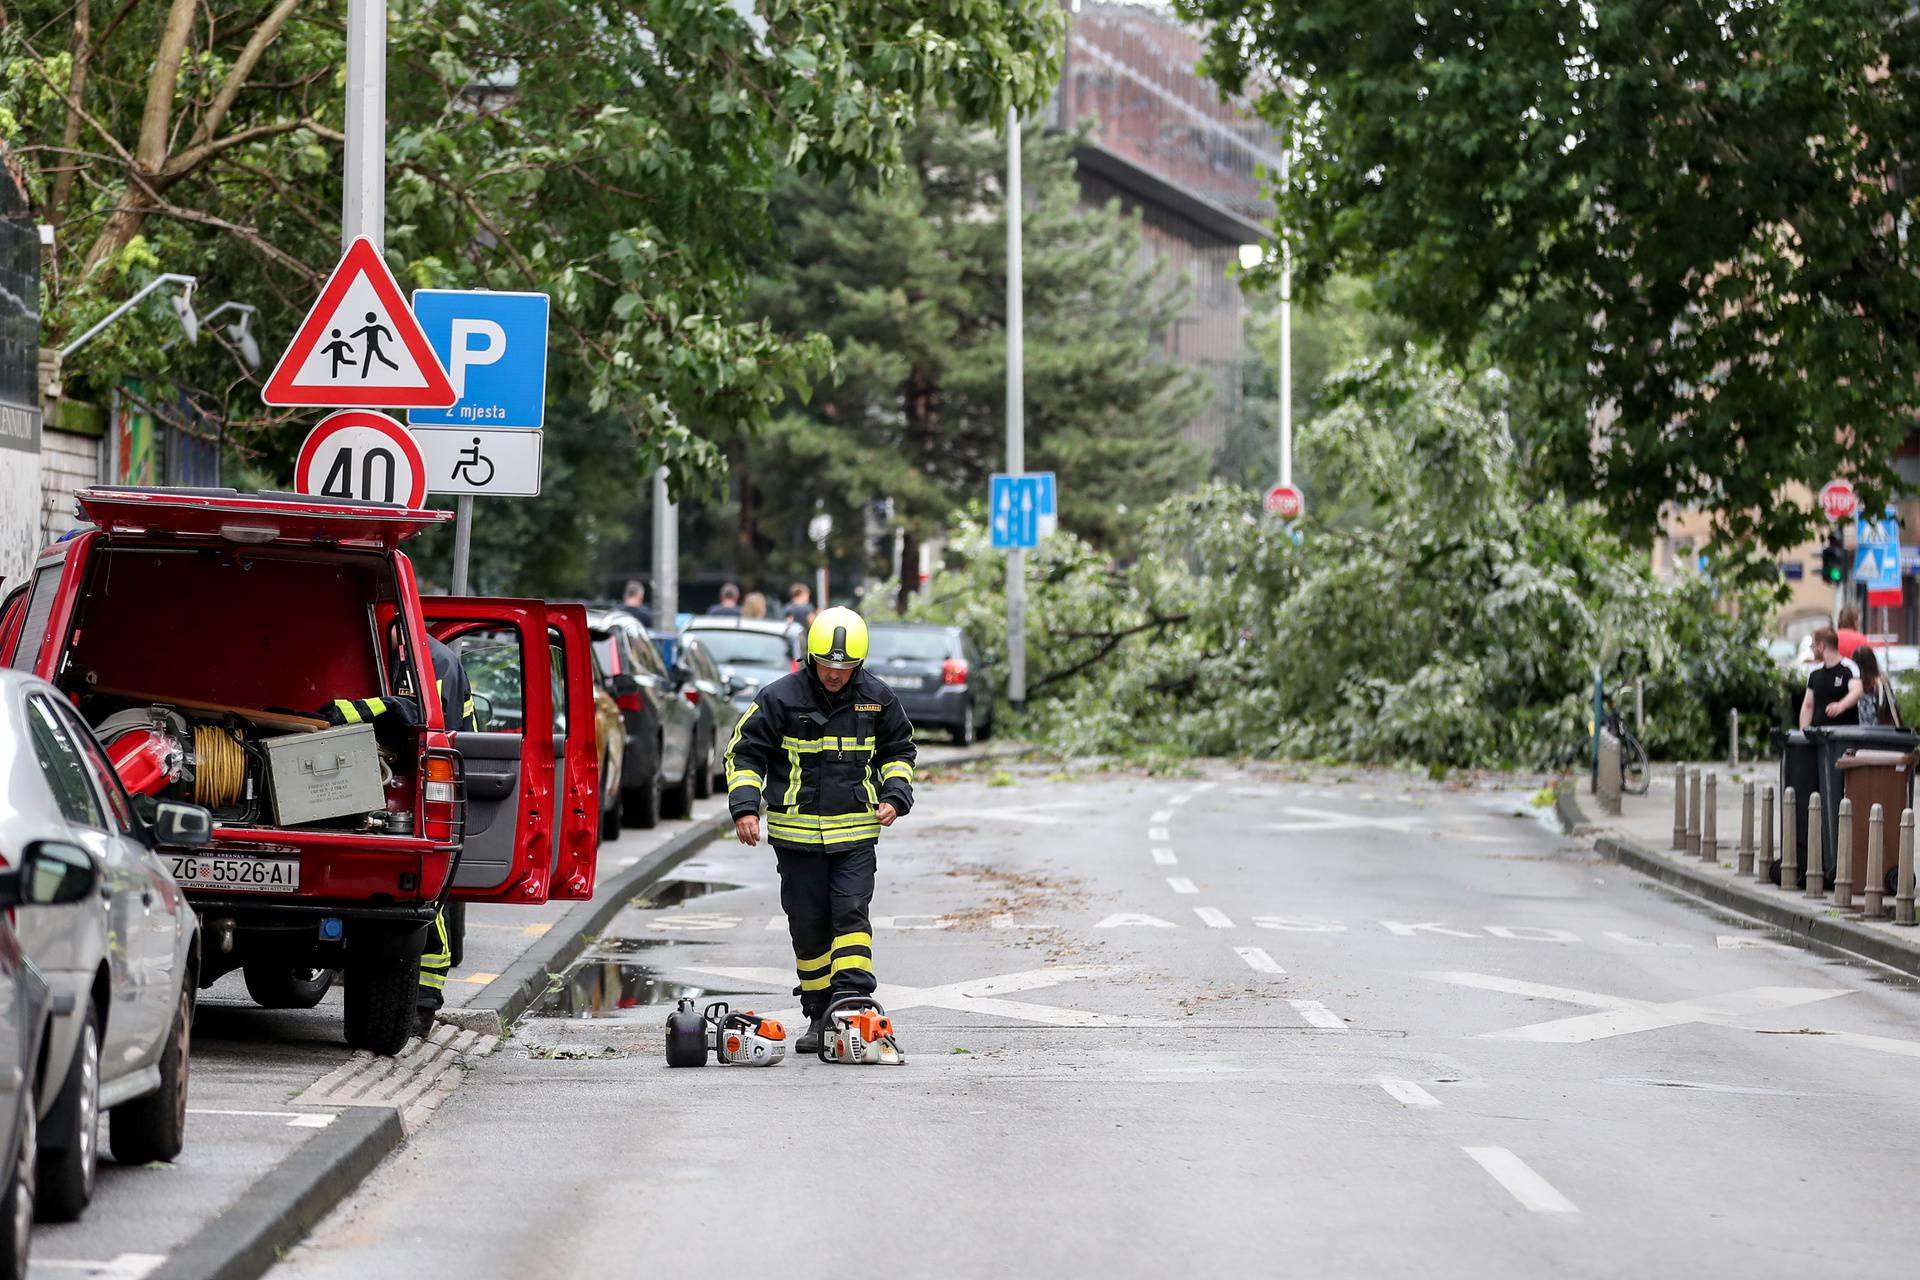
{"points": [[1180, 884], [1258, 960], [1522, 1183], [1158, 833], [1204, 786], [1164, 856], [294, 1119], [1177, 801], [1213, 917], [1318, 1014], [1161, 815], [1407, 1093]]}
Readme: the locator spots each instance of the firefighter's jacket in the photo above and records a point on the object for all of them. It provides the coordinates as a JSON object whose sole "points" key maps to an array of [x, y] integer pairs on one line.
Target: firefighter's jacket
{"points": [[822, 762]]}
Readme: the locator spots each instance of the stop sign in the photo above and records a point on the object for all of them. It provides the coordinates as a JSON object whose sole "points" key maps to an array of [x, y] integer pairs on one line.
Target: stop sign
{"points": [[1285, 501], [1838, 499]]}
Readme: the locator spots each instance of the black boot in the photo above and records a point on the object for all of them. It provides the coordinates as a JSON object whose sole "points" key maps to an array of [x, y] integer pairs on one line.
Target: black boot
{"points": [[809, 1041]]}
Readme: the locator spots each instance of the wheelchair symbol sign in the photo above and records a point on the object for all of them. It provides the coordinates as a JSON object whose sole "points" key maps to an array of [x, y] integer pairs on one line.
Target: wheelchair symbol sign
{"points": [[497, 462]]}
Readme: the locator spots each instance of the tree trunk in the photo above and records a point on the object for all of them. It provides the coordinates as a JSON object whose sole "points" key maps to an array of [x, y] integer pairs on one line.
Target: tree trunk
{"points": [[919, 394], [150, 153], [82, 48], [909, 570]]}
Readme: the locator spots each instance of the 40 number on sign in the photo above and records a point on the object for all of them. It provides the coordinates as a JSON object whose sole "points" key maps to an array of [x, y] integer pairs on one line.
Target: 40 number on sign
{"points": [[364, 456]]}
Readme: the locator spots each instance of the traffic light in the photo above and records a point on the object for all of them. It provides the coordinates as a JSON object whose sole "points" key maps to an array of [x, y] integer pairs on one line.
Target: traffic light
{"points": [[1833, 559]]}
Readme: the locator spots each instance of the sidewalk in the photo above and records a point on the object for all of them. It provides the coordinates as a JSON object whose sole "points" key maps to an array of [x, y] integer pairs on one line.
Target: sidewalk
{"points": [[1641, 837]]}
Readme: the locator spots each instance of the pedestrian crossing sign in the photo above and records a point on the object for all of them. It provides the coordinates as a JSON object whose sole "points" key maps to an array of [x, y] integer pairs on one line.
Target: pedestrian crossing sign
{"points": [[360, 345]]}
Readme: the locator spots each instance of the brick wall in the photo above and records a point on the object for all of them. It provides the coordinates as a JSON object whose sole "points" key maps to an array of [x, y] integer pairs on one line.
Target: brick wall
{"points": [[67, 462]]}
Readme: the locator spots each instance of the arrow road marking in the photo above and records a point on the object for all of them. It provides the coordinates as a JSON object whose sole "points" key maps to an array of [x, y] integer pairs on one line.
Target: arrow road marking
{"points": [[1026, 813], [976, 995], [1329, 820], [1622, 1015]]}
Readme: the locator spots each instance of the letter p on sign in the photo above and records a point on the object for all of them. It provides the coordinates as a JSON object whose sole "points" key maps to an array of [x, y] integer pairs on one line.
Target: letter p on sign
{"points": [[475, 342], [494, 348]]}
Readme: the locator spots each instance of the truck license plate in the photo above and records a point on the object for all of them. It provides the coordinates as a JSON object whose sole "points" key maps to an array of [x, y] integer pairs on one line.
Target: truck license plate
{"points": [[252, 875]]}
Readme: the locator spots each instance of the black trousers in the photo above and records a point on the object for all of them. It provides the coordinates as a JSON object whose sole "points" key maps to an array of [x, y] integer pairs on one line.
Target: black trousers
{"points": [[826, 893]]}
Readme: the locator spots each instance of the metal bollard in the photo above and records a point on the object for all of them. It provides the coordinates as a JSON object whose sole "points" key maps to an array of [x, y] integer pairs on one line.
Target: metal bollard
{"points": [[1680, 806], [1876, 885], [1710, 821], [1744, 865], [1843, 855], [1903, 881], [1764, 862], [1816, 847], [1733, 738], [1607, 780], [1693, 811], [1789, 841]]}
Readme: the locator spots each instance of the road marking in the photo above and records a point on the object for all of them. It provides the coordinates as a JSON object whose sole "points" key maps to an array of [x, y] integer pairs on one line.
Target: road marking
{"points": [[1134, 918], [1180, 884], [1747, 942], [1522, 1183], [1628, 939], [1318, 1014], [1621, 1015], [1258, 960], [893, 922], [1158, 833], [1164, 856], [626, 862], [294, 1119], [538, 930], [1204, 786], [1331, 820], [127, 1266], [695, 922], [1290, 925], [1399, 930], [775, 924], [976, 995], [1161, 815], [477, 979], [1021, 813], [1213, 918], [1177, 801], [1407, 1093], [1529, 933]]}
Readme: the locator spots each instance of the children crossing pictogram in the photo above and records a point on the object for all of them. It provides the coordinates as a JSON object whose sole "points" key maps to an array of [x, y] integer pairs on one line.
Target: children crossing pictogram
{"points": [[360, 345]]}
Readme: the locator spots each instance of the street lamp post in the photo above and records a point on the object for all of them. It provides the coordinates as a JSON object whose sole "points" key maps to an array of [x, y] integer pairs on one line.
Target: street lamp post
{"points": [[1016, 425]]}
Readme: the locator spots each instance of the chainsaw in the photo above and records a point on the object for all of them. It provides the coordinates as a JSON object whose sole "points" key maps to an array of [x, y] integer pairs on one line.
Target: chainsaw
{"points": [[735, 1039], [856, 1029]]}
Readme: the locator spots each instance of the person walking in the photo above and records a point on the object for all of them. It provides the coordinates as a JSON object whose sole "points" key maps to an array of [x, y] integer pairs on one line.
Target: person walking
{"points": [[634, 601], [800, 604], [1848, 635], [1877, 704], [729, 606], [829, 752], [1833, 687], [754, 606]]}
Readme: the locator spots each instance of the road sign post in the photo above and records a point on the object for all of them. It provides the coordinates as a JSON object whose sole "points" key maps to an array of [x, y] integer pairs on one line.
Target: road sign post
{"points": [[1016, 421]]}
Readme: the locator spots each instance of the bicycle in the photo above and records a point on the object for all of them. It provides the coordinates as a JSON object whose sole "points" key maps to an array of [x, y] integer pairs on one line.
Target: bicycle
{"points": [[1635, 777]]}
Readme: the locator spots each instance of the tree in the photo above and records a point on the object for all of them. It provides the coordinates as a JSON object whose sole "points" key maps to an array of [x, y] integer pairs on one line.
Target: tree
{"points": [[615, 155], [909, 282], [1681, 226]]}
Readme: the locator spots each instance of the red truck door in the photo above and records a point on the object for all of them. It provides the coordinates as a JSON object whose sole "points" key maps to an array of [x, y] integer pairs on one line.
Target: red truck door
{"points": [[579, 847], [512, 804]]}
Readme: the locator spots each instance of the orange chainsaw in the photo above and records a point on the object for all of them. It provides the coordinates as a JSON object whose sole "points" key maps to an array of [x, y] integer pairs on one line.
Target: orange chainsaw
{"points": [[856, 1029]]}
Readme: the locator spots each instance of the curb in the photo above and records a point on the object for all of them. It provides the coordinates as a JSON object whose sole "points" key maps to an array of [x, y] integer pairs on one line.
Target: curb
{"points": [[246, 1241], [1824, 931], [504, 999]]}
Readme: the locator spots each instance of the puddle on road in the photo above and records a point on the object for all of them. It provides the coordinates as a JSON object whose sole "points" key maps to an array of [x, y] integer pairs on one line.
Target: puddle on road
{"points": [[603, 987], [675, 892]]}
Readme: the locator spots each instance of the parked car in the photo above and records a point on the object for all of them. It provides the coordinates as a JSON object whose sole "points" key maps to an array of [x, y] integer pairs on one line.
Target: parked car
{"points": [[660, 724], [749, 651], [120, 964], [938, 676], [42, 873], [331, 847], [697, 678]]}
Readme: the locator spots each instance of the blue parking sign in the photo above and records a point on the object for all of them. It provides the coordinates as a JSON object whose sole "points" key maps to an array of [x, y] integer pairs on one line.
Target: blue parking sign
{"points": [[494, 348]]}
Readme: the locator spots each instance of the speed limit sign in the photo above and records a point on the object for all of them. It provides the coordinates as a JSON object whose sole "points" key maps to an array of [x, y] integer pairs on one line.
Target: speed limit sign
{"points": [[359, 454]]}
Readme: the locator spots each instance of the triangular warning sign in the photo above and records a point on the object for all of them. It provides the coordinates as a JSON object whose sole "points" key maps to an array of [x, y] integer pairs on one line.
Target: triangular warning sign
{"points": [[360, 345]]}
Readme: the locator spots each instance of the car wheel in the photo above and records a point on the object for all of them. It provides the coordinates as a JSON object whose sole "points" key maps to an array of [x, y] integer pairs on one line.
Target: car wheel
{"points": [[284, 986], [70, 1157], [701, 767], [677, 801], [963, 732], [383, 990], [16, 1208], [611, 813], [643, 801], [155, 1127]]}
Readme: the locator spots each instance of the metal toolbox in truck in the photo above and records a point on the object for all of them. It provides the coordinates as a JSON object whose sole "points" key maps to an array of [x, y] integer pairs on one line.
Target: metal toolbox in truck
{"points": [[330, 773]]}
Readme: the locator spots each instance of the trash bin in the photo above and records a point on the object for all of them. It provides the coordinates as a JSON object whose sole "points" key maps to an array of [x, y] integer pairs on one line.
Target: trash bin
{"points": [[1799, 769], [1877, 777], [1831, 744]]}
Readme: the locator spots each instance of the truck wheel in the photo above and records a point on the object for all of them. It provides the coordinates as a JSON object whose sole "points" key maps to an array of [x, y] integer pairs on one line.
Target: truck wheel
{"points": [[677, 802], [285, 986], [382, 992], [70, 1152], [155, 1127], [456, 916]]}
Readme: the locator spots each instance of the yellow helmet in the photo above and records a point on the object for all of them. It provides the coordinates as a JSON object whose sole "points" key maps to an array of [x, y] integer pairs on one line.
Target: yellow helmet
{"points": [[837, 639]]}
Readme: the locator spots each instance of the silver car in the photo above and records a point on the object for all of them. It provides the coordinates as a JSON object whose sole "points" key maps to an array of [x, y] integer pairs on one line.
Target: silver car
{"points": [[121, 962]]}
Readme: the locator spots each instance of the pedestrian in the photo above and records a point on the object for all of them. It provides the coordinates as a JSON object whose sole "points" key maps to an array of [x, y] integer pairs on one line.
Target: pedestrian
{"points": [[1878, 704], [754, 606], [1851, 637], [800, 604], [830, 753], [1833, 687], [634, 600], [729, 606]]}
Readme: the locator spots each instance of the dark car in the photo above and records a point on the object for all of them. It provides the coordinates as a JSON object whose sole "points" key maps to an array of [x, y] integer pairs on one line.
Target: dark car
{"points": [[938, 676], [663, 729], [697, 678], [749, 651]]}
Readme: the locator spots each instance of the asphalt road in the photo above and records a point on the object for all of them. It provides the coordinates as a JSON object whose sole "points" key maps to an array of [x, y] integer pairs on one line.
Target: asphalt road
{"points": [[1238, 1021]]}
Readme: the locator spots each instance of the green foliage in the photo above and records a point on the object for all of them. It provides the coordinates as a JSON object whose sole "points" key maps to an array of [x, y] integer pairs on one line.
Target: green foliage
{"points": [[616, 156], [1691, 217], [1459, 622], [909, 282]]}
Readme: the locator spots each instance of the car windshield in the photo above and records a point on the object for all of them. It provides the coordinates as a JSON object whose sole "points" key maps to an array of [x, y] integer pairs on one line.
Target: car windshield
{"points": [[914, 646], [753, 648]]}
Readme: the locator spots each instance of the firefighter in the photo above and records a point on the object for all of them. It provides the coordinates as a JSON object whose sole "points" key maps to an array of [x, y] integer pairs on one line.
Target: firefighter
{"points": [[436, 960], [829, 752]]}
